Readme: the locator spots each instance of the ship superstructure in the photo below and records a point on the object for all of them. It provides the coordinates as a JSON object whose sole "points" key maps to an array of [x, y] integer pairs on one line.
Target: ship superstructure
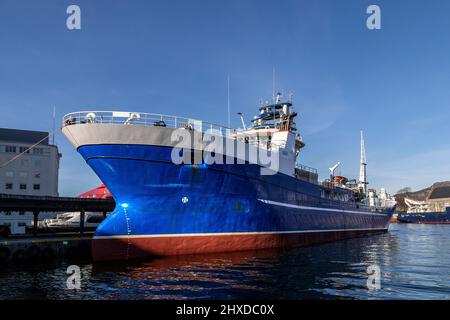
{"points": [[236, 202]]}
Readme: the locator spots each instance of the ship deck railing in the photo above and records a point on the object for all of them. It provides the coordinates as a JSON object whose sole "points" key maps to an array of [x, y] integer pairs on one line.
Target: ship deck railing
{"points": [[144, 119], [306, 168], [159, 120]]}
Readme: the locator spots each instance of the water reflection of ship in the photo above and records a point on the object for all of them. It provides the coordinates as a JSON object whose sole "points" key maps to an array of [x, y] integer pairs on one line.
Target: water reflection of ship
{"points": [[300, 273], [172, 276]]}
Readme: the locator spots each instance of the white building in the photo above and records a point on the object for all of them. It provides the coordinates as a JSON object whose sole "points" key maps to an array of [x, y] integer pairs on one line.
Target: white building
{"points": [[25, 171]]}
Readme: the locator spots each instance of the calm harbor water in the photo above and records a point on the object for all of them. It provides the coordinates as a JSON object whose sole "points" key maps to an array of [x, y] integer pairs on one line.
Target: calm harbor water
{"points": [[414, 261]]}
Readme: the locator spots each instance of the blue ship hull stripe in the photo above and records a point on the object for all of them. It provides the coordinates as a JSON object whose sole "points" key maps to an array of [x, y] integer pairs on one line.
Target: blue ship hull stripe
{"points": [[317, 208], [227, 233]]}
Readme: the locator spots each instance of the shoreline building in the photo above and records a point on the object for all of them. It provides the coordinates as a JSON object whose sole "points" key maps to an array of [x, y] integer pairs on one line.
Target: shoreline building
{"points": [[29, 165], [439, 197], [435, 209]]}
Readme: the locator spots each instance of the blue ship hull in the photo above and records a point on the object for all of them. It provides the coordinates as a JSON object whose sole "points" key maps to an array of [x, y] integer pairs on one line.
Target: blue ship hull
{"points": [[168, 209], [425, 217]]}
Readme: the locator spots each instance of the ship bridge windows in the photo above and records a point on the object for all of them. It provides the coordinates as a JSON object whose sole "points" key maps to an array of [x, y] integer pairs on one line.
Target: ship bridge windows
{"points": [[262, 139]]}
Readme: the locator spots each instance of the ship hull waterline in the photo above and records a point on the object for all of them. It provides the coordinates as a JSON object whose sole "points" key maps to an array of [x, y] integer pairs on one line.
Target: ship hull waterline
{"points": [[124, 248]]}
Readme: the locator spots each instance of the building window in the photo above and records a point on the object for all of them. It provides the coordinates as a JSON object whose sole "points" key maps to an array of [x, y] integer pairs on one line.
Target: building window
{"points": [[10, 149], [21, 213], [23, 186], [23, 174], [95, 219], [9, 174], [36, 187], [7, 213], [37, 175], [38, 151], [8, 186], [23, 149]]}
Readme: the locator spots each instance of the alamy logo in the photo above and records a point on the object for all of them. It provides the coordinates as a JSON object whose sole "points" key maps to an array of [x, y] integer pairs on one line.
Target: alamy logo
{"points": [[194, 147], [73, 281], [374, 20], [73, 21], [374, 277]]}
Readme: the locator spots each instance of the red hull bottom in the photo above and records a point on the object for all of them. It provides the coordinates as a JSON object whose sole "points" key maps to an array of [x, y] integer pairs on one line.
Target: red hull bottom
{"points": [[125, 248]]}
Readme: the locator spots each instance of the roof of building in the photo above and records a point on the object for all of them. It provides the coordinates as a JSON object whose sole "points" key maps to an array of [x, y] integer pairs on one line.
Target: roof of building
{"points": [[23, 136], [440, 190]]}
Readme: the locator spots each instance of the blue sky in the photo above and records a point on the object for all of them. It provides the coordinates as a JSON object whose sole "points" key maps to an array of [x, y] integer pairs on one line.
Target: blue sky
{"points": [[173, 57]]}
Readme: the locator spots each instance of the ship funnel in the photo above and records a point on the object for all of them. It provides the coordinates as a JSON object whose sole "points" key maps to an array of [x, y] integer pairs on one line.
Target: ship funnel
{"points": [[362, 166]]}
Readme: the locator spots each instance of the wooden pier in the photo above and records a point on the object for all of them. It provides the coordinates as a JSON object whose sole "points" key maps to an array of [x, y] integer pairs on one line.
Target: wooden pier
{"points": [[43, 246]]}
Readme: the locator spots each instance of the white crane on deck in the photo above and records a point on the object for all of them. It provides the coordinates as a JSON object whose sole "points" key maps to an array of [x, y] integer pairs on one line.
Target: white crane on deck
{"points": [[333, 169]]}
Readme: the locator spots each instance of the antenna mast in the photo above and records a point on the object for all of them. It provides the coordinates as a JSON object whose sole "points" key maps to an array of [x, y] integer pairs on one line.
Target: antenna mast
{"points": [[362, 166], [273, 84], [53, 133], [228, 101]]}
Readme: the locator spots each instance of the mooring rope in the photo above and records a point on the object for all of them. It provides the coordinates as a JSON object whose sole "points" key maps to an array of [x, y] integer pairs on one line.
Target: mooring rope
{"points": [[23, 152]]}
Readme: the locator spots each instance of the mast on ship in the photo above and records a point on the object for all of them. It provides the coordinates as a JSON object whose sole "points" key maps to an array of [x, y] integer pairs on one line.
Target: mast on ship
{"points": [[362, 167]]}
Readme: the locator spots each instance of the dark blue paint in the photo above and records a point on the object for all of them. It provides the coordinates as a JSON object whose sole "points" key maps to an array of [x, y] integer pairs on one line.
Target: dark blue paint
{"points": [[426, 217]]}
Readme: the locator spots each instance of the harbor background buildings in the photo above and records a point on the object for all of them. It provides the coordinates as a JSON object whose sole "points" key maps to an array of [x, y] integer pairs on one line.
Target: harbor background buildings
{"points": [[27, 171], [435, 198], [439, 197]]}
